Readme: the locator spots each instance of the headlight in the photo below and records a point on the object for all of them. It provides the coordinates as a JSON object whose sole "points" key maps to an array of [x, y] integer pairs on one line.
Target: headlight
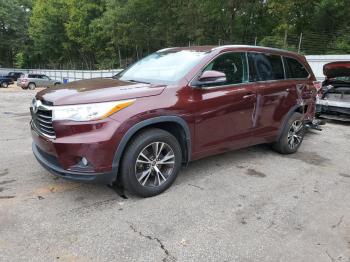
{"points": [[88, 112]]}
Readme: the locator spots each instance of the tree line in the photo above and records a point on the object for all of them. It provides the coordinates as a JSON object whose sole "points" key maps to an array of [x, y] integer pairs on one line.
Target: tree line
{"points": [[113, 33]]}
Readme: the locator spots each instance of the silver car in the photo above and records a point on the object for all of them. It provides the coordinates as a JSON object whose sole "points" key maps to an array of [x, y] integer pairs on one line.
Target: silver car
{"points": [[31, 81]]}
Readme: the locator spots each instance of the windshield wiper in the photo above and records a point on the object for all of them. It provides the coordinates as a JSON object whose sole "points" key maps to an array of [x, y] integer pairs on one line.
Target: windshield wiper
{"points": [[136, 81]]}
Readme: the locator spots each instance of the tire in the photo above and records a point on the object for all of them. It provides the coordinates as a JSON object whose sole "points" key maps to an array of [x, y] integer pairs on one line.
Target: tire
{"points": [[292, 135], [4, 84], [31, 86], [143, 176]]}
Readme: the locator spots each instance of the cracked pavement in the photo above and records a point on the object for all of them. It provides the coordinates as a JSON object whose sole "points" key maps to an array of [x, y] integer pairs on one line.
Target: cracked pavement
{"points": [[248, 205]]}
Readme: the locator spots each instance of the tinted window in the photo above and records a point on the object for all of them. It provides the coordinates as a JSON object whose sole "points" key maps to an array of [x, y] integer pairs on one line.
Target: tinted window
{"points": [[265, 67], [295, 69], [32, 76], [234, 65]]}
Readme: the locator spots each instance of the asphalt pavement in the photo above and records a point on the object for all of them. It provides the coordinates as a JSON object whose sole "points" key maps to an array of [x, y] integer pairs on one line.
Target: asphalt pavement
{"points": [[247, 205]]}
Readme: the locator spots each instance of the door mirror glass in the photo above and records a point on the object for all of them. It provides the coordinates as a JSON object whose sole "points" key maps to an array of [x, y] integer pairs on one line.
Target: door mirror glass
{"points": [[212, 77]]}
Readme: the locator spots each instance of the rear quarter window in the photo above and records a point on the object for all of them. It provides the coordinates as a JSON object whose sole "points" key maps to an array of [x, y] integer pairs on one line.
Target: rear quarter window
{"points": [[294, 69], [265, 67]]}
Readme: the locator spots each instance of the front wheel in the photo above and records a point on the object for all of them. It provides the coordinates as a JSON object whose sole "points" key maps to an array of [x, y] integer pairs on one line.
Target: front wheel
{"points": [[292, 135], [151, 163], [4, 85]]}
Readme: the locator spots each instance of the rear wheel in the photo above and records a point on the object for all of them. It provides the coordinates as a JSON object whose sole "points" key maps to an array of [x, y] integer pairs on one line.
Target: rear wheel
{"points": [[31, 86], [292, 135], [4, 84], [151, 163]]}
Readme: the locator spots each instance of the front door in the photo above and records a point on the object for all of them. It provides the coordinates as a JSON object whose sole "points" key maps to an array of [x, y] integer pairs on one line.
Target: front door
{"points": [[224, 113]]}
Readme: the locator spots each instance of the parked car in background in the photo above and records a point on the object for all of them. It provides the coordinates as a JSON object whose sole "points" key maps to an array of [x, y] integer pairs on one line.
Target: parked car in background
{"points": [[334, 99], [5, 81], [172, 107], [14, 75], [31, 81]]}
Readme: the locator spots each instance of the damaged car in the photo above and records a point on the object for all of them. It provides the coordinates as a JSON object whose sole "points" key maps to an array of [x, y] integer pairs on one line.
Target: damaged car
{"points": [[333, 100]]}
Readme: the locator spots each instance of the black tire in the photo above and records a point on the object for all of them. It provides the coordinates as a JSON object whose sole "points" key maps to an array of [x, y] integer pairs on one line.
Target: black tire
{"points": [[4, 84], [285, 144], [129, 165], [31, 86]]}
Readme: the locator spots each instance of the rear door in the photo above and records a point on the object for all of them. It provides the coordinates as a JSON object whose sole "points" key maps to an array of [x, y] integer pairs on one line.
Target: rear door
{"points": [[301, 80], [275, 95], [41, 81], [224, 112], [47, 81]]}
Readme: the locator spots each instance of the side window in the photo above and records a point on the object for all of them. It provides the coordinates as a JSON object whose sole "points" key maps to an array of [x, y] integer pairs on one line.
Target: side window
{"points": [[45, 77], [295, 69], [234, 65], [265, 67]]}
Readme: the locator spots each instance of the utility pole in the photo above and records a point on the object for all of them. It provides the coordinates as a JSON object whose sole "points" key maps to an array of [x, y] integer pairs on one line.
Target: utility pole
{"points": [[120, 57], [300, 41]]}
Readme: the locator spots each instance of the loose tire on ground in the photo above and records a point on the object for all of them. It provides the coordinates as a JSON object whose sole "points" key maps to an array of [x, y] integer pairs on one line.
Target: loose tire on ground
{"points": [[292, 135], [150, 163]]}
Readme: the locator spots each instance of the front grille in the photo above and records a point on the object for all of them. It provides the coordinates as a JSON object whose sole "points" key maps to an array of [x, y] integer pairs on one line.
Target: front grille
{"points": [[42, 120]]}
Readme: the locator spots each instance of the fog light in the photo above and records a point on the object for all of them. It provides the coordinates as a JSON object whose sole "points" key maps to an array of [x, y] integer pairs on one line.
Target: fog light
{"points": [[85, 161]]}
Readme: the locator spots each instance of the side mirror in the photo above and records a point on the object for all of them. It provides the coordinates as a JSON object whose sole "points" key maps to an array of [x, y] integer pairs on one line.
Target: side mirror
{"points": [[211, 77]]}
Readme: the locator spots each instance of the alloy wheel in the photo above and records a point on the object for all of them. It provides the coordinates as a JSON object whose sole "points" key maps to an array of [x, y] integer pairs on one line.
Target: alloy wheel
{"points": [[155, 164], [295, 135]]}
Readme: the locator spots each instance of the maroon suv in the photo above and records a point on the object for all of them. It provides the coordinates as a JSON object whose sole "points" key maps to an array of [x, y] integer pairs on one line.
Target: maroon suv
{"points": [[172, 107]]}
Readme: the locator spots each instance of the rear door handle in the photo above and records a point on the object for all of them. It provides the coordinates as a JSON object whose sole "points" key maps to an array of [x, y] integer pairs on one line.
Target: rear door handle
{"points": [[300, 86]]}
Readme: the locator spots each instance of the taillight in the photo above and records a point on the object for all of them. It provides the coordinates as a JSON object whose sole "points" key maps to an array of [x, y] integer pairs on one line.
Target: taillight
{"points": [[318, 87]]}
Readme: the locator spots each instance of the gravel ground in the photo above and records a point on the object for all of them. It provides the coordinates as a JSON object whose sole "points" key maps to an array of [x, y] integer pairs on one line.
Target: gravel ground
{"points": [[247, 205]]}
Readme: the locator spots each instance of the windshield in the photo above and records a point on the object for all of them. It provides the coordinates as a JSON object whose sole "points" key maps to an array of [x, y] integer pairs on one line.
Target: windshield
{"points": [[162, 67]]}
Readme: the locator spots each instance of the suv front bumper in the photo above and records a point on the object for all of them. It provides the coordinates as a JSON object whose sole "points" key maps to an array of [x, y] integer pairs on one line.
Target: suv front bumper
{"points": [[51, 164]]}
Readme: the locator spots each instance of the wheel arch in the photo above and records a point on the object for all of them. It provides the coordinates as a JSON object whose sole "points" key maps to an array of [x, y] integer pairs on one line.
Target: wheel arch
{"points": [[175, 125], [295, 109]]}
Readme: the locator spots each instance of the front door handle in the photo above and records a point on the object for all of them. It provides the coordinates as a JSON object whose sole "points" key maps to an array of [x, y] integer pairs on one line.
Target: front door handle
{"points": [[248, 96]]}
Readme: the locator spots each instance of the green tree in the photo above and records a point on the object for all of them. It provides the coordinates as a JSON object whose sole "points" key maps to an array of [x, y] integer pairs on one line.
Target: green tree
{"points": [[14, 15]]}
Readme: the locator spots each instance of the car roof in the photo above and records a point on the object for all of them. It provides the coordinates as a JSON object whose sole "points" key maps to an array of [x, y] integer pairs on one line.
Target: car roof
{"points": [[223, 48]]}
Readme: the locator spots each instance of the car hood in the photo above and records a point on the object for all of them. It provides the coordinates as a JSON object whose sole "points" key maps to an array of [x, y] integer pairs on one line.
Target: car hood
{"points": [[337, 69], [97, 90]]}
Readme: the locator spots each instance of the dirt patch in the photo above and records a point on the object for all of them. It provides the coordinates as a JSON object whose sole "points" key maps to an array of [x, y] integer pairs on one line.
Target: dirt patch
{"points": [[56, 188], [7, 182], [253, 172], [6, 197], [12, 114], [344, 175], [311, 158], [4, 172]]}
